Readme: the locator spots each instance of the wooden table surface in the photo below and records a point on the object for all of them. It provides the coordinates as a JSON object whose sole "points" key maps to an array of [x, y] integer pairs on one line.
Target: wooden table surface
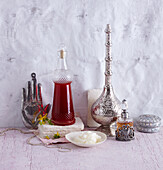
{"points": [[145, 152]]}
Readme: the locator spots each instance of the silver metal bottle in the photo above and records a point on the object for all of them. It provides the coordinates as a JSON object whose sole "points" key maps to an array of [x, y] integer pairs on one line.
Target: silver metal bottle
{"points": [[107, 107]]}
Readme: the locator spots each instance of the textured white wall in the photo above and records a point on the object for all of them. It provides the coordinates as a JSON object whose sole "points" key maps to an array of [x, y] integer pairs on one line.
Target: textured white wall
{"points": [[31, 30]]}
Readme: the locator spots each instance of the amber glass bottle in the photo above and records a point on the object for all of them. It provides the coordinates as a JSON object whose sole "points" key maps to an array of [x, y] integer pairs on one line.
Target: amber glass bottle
{"points": [[125, 130]]}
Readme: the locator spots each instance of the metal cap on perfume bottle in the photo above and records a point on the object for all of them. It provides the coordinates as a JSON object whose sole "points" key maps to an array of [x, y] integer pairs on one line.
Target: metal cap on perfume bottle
{"points": [[148, 123]]}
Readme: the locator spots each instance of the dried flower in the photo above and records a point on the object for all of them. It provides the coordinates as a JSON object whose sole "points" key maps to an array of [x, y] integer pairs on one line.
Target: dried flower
{"points": [[47, 137], [57, 135]]}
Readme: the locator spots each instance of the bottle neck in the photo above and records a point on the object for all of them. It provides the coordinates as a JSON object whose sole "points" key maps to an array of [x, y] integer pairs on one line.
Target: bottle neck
{"points": [[108, 58], [124, 115], [62, 74], [62, 64]]}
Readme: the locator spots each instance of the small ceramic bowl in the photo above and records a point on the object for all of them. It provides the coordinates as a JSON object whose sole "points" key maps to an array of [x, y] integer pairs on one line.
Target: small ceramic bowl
{"points": [[71, 138]]}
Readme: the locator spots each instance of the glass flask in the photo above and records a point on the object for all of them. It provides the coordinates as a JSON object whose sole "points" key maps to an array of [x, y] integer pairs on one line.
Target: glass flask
{"points": [[62, 110], [125, 130]]}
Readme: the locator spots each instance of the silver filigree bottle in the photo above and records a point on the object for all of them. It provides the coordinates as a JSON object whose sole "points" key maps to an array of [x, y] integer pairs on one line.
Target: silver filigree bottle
{"points": [[107, 107]]}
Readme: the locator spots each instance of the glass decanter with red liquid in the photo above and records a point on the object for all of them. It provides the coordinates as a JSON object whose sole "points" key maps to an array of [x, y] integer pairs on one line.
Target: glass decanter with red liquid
{"points": [[62, 111]]}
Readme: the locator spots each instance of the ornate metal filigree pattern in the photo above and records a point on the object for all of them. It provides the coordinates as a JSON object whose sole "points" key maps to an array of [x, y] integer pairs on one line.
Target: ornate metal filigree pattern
{"points": [[125, 133], [107, 107]]}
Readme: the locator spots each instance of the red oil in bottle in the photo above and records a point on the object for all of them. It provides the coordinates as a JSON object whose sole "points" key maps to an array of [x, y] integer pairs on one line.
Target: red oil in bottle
{"points": [[63, 111]]}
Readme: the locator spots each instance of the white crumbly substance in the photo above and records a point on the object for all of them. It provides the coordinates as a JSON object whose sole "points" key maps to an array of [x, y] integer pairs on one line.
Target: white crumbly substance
{"points": [[50, 130], [88, 138]]}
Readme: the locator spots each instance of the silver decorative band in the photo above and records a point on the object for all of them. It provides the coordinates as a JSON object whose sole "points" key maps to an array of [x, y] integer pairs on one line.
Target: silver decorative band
{"points": [[125, 133]]}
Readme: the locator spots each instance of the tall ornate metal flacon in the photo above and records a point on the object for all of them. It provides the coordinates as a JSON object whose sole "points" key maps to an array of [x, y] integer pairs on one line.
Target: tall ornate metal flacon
{"points": [[107, 107]]}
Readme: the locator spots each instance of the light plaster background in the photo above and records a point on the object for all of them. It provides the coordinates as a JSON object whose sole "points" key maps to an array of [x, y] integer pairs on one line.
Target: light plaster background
{"points": [[31, 31]]}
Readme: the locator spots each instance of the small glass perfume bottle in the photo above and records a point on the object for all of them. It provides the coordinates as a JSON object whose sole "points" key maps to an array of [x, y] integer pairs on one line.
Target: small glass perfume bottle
{"points": [[62, 110], [125, 130]]}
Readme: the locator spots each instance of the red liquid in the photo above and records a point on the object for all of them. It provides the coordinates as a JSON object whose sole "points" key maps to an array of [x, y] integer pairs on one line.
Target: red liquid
{"points": [[62, 111]]}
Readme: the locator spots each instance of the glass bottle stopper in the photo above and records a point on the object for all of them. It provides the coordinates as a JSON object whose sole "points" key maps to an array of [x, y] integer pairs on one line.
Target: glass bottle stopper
{"points": [[124, 109]]}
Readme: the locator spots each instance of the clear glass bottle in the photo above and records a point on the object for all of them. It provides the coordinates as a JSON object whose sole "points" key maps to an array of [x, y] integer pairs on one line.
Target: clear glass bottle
{"points": [[62, 110], [125, 130]]}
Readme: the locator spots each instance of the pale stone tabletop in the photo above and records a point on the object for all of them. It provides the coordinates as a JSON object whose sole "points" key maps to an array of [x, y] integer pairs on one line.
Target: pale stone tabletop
{"points": [[145, 152]]}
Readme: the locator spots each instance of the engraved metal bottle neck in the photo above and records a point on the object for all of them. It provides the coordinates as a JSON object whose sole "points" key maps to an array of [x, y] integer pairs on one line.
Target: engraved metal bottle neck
{"points": [[108, 58]]}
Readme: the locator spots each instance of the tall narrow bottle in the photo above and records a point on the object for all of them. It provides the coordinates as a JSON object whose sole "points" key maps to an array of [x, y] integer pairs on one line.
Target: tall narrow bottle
{"points": [[106, 108], [62, 111]]}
